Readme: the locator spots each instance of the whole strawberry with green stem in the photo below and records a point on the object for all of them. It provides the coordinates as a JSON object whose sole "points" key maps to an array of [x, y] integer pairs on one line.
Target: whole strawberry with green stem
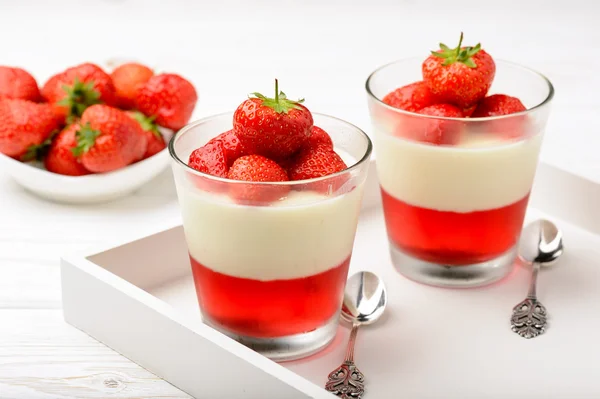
{"points": [[460, 76], [60, 158], [108, 139], [169, 98], [274, 127], [77, 88], [24, 127], [155, 139]]}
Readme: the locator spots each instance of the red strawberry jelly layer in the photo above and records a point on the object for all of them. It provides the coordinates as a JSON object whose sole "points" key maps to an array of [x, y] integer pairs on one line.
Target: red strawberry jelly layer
{"points": [[453, 238], [267, 309]]}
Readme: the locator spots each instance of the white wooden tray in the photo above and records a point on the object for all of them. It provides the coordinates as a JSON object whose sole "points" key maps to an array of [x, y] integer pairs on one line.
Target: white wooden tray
{"points": [[138, 298]]}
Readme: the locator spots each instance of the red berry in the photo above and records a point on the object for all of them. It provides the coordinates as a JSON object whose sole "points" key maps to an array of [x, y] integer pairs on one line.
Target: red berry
{"points": [[411, 97], [499, 105], [16, 83], [23, 125], [316, 162], [232, 145], [108, 139], [461, 76], [75, 89], [155, 139], [60, 158], [436, 131], [496, 105], [210, 159], [273, 127], [168, 97], [317, 138], [128, 78], [256, 168]]}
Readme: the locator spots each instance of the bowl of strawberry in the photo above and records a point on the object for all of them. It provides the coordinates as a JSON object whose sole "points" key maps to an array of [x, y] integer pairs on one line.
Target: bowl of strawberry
{"points": [[270, 196], [457, 136], [87, 135]]}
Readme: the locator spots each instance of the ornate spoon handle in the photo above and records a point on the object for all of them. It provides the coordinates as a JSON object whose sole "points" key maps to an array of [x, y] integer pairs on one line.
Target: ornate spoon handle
{"points": [[347, 381], [529, 316]]}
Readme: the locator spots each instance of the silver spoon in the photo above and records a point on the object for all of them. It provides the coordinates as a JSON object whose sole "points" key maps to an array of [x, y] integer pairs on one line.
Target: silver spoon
{"points": [[365, 299], [540, 245]]}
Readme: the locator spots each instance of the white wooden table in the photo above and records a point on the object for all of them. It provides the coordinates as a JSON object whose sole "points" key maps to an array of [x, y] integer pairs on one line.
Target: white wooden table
{"points": [[321, 50]]}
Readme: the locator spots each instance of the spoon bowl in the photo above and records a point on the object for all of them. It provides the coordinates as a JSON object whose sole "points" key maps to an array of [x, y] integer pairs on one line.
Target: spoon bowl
{"points": [[541, 242], [365, 298]]}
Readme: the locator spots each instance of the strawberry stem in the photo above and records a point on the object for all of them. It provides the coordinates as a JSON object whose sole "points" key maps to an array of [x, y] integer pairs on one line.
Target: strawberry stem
{"points": [[86, 138], [79, 96], [280, 103], [458, 54]]}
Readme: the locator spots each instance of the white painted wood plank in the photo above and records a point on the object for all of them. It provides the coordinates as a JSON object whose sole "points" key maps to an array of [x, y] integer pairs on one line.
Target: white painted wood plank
{"points": [[42, 357]]}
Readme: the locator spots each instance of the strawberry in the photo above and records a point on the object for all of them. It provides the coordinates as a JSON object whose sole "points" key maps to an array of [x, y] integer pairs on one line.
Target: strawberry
{"points": [[461, 76], [256, 168], [60, 158], [24, 124], [108, 139], [17, 83], [498, 104], [210, 159], [232, 145], [437, 131], [274, 127], [318, 137], [169, 98], [411, 97], [318, 161], [78, 87], [128, 78], [155, 139]]}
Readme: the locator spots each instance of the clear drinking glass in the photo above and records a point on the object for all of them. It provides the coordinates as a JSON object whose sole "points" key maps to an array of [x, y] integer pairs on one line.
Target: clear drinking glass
{"points": [[454, 211], [270, 260]]}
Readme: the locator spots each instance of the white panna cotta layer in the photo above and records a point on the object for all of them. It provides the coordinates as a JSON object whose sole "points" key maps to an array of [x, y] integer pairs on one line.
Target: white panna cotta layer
{"points": [[478, 174], [305, 234]]}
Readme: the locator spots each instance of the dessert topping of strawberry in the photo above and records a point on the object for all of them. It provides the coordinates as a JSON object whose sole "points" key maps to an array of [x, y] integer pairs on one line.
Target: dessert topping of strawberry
{"points": [[210, 159], [274, 127], [497, 105], [412, 97], [316, 162], [256, 168], [232, 145], [460, 76], [437, 131]]}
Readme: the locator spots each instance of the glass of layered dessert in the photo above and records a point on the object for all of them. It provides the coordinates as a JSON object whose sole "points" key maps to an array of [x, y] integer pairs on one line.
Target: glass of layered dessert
{"points": [[270, 197], [457, 136]]}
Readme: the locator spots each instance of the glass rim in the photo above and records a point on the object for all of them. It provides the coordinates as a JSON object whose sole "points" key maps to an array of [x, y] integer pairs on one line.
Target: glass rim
{"points": [[547, 100], [190, 126]]}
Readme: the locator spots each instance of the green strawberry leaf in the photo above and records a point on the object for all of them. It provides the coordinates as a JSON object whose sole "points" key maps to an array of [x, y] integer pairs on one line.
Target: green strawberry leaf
{"points": [[458, 54], [280, 103], [78, 97], [37, 152], [86, 138], [147, 123]]}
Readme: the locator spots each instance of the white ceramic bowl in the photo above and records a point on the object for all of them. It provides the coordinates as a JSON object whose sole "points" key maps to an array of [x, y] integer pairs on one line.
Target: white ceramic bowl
{"points": [[94, 188]]}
